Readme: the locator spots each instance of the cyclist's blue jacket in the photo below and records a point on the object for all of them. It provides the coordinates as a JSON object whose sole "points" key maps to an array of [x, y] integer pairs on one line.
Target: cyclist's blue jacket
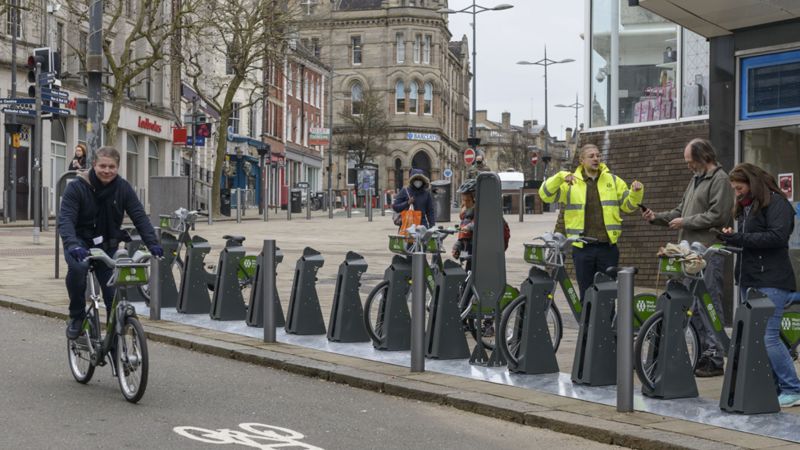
{"points": [[423, 201], [77, 216]]}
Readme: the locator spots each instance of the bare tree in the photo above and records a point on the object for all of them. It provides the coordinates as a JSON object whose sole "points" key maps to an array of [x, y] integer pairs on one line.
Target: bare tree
{"points": [[516, 155], [247, 34], [137, 38], [365, 131]]}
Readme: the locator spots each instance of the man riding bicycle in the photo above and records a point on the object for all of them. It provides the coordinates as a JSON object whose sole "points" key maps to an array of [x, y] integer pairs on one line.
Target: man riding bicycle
{"points": [[91, 215]]}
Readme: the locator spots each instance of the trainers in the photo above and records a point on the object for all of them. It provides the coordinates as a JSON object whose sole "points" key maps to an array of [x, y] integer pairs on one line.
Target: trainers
{"points": [[708, 370], [74, 328], [789, 400]]}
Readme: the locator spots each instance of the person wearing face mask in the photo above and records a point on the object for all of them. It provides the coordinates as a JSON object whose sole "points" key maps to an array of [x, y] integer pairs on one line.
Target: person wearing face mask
{"points": [[706, 205], [418, 195], [765, 220], [593, 199]]}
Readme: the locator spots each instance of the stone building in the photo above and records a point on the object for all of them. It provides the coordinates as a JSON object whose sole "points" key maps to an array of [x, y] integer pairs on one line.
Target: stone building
{"points": [[400, 49]]}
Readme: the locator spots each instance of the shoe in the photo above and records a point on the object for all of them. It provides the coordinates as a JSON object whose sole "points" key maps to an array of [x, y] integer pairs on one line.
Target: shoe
{"points": [[789, 400], [74, 328], [708, 370]]}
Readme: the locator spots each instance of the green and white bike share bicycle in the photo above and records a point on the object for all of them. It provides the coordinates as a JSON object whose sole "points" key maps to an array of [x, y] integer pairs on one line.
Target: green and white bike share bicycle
{"points": [[122, 342]]}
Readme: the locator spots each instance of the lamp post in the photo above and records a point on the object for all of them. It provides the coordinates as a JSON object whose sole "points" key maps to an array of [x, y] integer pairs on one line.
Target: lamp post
{"points": [[576, 106], [474, 10], [544, 62]]}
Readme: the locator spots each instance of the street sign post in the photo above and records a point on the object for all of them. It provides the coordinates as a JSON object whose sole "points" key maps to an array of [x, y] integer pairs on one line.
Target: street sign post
{"points": [[21, 112], [469, 156], [17, 101], [447, 173], [534, 158], [59, 111]]}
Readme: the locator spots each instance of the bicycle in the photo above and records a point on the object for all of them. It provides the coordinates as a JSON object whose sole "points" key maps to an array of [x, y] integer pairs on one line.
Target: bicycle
{"points": [[549, 256], [123, 342], [647, 341]]}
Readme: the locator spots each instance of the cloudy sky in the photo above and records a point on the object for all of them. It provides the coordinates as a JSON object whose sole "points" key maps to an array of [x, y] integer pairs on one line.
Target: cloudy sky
{"points": [[521, 33]]}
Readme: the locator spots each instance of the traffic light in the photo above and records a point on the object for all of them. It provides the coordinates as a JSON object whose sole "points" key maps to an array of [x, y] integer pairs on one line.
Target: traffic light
{"points": [[42, 56]]}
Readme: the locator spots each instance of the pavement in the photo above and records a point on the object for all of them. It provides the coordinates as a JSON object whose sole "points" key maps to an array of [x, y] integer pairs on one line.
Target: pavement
{"points": [[27, 283]]}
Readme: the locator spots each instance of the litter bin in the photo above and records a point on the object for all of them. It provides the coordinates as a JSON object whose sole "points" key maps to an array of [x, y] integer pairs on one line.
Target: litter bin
{"points": [[225, 202], [297, 200], [441, 191]]}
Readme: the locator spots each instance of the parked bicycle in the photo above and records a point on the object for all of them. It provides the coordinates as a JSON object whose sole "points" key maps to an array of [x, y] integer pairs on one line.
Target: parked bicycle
{"points": [[123, 342]]}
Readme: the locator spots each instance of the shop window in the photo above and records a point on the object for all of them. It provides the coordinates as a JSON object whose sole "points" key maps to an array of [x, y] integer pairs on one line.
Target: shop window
{"points": [[695, 74], [770, 85], [400, 97], [634, 62]]}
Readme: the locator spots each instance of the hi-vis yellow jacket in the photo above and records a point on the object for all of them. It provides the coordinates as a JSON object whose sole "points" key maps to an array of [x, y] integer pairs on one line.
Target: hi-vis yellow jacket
{"points": [[614, 196]]}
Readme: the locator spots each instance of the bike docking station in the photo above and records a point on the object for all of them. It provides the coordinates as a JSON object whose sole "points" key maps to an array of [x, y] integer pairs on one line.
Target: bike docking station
{"points": [[536, 353], [134, 295], [255, 315], [673, 372], [346, 322], [596, 348], [749, 387], [227, 302], [194, 298], [445, 338], [304, 315], [488, 262], [166, 287], [396, 318]]}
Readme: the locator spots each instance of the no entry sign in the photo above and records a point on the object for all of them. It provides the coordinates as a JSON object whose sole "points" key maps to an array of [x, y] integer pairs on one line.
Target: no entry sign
{"points": [[469, 156], [534, 158]]}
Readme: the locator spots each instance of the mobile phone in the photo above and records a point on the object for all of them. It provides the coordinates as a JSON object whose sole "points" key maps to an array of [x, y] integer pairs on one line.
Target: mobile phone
{"points": [[642, 207]]}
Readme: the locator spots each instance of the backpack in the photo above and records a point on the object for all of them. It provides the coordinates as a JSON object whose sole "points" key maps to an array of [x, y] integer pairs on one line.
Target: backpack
{"points": [[506, 234]]}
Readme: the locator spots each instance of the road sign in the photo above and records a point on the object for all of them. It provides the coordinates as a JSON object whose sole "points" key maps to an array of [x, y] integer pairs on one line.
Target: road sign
{"points": [[469, 156], [534, 158], [46, 79], [18, 111], [447, 173], [56, 93], [301, 184], [61, 100], [17, 101], [60, 111], [200, 142]]}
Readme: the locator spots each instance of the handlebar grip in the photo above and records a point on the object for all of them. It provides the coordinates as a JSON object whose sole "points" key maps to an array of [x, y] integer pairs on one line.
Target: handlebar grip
{"points": [[733, 249]]}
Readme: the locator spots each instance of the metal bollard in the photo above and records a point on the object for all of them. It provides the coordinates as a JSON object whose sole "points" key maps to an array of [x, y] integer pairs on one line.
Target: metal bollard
{"points": [[381, 204], [155, 280], [288, 204], [330, 203], [349, 204], [521, 203], [267, 274], [418, 312], [45, 208], [308, 202], [625, 339], [368, 202], [209, 208]]}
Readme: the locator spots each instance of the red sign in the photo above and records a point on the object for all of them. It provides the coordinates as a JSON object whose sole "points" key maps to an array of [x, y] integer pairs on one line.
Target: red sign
{"points": [[147, 124], [534, 158], [179, 136], [469, 156]]}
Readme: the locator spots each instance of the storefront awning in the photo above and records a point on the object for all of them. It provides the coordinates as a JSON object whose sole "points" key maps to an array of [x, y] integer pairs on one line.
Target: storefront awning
{"points": [[712, 18]]}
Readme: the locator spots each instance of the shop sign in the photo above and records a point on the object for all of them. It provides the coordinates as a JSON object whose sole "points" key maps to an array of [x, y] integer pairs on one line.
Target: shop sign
{"points": [[147, 124], [422, 137]]}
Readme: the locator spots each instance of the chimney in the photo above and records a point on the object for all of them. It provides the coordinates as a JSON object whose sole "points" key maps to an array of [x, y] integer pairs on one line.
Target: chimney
{"points": [[506, 120], [480, 115], [534, 122], [526, 124], [568, 132]]}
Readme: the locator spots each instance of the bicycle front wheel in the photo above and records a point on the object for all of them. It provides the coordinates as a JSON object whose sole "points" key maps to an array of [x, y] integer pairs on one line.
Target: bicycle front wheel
{"points": [[512, 321], [375, 310], [647, 345], [131, 360], [176, 268], [79, 351]]}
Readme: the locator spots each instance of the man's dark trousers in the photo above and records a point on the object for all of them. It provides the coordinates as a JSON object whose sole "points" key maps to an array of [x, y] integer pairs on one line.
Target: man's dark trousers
{"points": [[590, 259], [76, 284]]}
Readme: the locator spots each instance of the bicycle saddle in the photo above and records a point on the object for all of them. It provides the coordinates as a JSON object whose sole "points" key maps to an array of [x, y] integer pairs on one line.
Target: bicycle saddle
{"points": [[233, 241]]}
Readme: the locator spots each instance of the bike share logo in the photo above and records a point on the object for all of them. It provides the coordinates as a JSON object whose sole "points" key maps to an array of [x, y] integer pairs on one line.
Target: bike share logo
{"points": [[786, 323], [641, 305], [790, 323], [712, 313]]}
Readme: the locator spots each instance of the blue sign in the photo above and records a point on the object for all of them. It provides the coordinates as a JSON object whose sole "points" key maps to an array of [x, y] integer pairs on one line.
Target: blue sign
{"points": [[60, 111], [17, 101], [447, 173], [422, 136], [22, 112], [200, 142]]}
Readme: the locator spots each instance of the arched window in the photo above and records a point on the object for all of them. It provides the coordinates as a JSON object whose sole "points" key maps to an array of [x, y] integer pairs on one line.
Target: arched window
{"points": [[132, 159], [398, 174], [412, 101], [356, 98], [400, 97], [427, 108]]}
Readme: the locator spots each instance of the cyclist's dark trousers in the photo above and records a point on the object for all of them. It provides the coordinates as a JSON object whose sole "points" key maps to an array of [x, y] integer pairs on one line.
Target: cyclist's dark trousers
{"points": [[713, 277], [76, 284], [590, 259]]}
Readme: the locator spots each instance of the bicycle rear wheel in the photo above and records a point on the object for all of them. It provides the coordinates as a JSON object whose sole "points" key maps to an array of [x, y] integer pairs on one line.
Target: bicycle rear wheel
{"points": [[512, 321], [374, 311], [646, 346], [130, 358], [79, 351]]}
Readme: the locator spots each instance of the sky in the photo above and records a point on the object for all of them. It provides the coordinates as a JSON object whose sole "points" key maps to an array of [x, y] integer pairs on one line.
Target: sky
{"points": [[521, 33]]}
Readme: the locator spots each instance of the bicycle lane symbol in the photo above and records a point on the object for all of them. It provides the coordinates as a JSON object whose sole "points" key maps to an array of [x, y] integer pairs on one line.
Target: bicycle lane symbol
{"points": [[255, 435]]}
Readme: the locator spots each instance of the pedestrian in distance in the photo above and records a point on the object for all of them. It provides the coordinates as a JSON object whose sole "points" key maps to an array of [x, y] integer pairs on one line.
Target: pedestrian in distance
{"points": [[479, 165], [79, 159], [593, 200], [765, 220], [705, 205], [417, 195], [91, 215]]}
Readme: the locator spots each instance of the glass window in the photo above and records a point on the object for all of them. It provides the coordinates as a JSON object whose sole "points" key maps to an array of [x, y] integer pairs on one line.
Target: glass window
{"points": [[233, 121], [252, 121], [417, 42], [695, 74], [633, 65], [400, 97], [770, 85], [400, 43], [131, 158], [412, 100], [426, 50], [428, 106], [356, 98], [356, 49], [10, 18], [152, 159]]}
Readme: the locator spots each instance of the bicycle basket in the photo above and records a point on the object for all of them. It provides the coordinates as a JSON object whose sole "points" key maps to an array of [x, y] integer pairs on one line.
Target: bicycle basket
{"points": [[670, 265], [164, 222], [131, 274], [535, 253], [397, 244], [432, 247]]}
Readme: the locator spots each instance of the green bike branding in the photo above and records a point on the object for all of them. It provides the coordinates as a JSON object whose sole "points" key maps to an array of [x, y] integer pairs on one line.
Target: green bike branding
{"points": [[712, 312], [790, 326], [572, 296], [132, 275], [669, 265], [247, 267]]}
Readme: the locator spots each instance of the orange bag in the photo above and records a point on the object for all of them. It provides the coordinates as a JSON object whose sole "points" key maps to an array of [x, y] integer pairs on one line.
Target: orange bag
{"points": [[410, 217]]}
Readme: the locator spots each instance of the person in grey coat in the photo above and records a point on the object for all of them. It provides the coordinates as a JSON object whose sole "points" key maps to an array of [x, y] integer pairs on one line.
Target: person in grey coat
{"points": [[704, 209]]}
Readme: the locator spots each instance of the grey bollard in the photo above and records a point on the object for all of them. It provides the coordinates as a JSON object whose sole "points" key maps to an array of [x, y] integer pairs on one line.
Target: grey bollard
{"points": [[155, 283], [382, 203], [45, 208], [521, 204], [209, 208], [625, 339], [368, 204], [445, 337], [288, 204], [193, 292], [349, 204], [330, 203], [749, 385], [346, 322], [255, 314], [535, 354], [268, 253], [595, 362], [673, 373], [418, 312], [304, 315], [308, 203], [227, 302]]}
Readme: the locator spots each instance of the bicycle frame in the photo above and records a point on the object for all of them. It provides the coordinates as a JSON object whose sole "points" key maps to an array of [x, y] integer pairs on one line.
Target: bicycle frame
{"points": [[121, 309]]}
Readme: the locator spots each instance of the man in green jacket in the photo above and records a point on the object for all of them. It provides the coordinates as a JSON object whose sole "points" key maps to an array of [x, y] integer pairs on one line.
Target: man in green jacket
{"points": [[707, 203]]}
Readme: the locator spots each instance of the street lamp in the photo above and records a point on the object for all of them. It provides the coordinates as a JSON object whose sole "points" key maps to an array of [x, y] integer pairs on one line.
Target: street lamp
{"points": [[575, 105], [544, 62], [474, 10]]}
